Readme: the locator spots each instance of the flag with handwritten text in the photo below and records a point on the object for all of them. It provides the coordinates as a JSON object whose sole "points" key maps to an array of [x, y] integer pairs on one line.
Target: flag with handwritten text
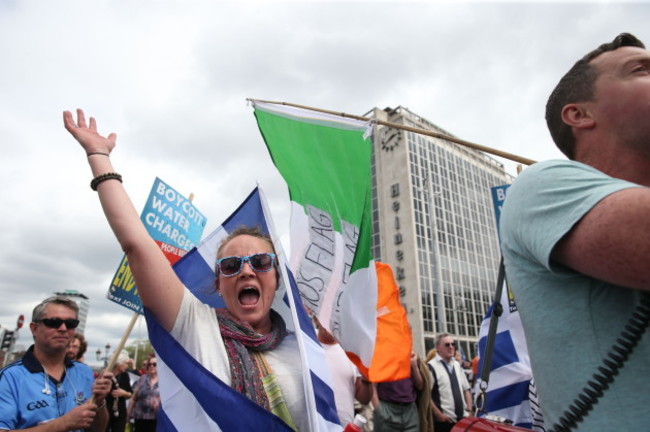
{"points": [[325, 161]]}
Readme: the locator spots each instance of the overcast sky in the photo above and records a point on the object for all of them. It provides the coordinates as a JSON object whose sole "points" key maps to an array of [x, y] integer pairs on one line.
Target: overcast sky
{"points": [[171, 78]]}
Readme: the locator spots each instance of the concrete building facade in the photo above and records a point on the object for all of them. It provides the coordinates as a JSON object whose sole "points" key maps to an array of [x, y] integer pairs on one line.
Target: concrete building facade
{"points": [[84, 304], [434, 224]]}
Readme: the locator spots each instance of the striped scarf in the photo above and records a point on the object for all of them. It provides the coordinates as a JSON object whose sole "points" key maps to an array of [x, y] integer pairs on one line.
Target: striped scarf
{"points": [[250, 373]]}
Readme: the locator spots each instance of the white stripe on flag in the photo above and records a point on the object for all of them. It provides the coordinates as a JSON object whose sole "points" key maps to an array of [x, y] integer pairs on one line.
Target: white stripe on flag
{"points": [[509, 380], [326, 162]]}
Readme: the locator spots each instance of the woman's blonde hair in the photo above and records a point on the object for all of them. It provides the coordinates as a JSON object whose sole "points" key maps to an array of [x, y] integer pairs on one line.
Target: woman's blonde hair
{"points": [[254, 231]]}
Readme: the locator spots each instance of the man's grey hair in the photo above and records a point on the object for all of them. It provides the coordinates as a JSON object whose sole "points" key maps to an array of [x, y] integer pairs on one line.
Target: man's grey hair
{"points": [[441, 337], [39, 310]]}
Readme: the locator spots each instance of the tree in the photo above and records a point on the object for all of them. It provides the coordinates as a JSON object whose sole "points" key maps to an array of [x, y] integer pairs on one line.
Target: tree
{"points": [[139, 350]]}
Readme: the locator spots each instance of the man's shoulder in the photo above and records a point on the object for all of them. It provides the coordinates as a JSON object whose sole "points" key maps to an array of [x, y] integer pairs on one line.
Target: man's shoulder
{"points": [[550, 171], [81, 369], [435, 362]]}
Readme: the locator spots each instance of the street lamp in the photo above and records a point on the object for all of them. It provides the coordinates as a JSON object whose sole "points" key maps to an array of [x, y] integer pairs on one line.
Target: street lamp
{"points": [[105, 357]]}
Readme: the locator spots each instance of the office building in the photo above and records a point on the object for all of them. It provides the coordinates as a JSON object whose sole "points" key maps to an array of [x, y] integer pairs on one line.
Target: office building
{"points": [[434, 223]]}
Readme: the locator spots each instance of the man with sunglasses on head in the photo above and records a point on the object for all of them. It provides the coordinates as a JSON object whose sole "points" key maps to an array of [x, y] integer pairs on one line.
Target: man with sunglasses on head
{"points": [[46, 391], [451, 399]]}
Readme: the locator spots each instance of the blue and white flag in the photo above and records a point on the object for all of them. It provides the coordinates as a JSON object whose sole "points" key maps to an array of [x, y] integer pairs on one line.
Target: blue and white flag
{"points": [[202, 402], [511, 392], [510, 374]]}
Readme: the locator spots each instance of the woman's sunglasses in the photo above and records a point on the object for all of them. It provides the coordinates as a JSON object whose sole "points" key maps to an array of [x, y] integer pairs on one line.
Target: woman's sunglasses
{"points": [[231, 266], [70, 323]]}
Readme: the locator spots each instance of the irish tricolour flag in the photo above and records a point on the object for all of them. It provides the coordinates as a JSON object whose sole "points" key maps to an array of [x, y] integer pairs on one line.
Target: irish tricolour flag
{"points": [[325, 160]]}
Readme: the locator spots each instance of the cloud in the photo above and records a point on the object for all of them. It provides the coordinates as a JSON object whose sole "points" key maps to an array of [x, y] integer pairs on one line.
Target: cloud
{"points": [[172, 78]]}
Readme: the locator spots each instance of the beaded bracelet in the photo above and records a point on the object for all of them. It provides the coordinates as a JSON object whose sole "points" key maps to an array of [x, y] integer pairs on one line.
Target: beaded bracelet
{"points": [[107, 176], [97, 153]]}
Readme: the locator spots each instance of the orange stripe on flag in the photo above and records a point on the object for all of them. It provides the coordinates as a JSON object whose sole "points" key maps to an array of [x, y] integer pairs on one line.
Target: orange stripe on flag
{"points": [[393, 343]]}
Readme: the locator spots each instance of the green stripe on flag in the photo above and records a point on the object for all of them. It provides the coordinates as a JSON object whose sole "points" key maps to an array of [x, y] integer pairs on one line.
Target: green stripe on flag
{"points": [[326, 161], [326, 166]]}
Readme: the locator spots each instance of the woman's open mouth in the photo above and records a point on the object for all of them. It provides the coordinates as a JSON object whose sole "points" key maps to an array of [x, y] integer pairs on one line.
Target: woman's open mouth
{"points": [[249, 296]]}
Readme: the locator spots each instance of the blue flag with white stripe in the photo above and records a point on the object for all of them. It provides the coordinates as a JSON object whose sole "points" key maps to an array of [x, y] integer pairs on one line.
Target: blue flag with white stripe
{"points": [[201, 401], [510, 374], [511, 391]]}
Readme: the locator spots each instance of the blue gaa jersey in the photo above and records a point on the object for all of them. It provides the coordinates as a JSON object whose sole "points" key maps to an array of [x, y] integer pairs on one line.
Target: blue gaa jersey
{"points": [[29, 397]]}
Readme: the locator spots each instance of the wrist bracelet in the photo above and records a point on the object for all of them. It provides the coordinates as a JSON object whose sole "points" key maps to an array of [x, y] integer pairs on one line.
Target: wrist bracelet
{"points": [[97, 153], [102, 405], [107, 176]]}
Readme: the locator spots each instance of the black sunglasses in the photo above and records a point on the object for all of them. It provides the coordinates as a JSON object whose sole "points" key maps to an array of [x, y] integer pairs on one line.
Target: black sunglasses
{"points": [[231, 266], [55, 323], [152, 364], [450, 344]]}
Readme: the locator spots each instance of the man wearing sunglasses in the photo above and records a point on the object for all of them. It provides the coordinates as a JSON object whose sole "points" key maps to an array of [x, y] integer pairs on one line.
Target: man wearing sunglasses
{"points": [[451, 399], [45, 390]]}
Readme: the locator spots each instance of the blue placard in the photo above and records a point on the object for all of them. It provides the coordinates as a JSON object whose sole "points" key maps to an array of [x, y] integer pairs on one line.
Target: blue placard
{"points": [[174, 223], [498, 198]]}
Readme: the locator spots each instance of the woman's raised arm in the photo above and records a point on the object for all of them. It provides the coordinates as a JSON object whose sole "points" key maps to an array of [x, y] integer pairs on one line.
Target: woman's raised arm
{"points": [[158, 286]]}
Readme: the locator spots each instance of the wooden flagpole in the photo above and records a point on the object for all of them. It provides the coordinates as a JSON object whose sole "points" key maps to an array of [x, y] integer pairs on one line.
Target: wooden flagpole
{"points": [[505, 155], [120, 347]]}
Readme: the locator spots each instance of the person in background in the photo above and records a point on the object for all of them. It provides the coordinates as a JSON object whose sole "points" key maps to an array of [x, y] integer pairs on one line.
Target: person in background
{"points": [[574, 237], [141, 372], [77, 348], [146, 399], [395, 402], [451, 399], [143, 369], [465, 365], [121, 391], [45, 390]]}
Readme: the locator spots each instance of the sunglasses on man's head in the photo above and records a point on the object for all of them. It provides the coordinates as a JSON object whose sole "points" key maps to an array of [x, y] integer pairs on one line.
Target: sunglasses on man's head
{"points": [[55, 323], [231, 266]]}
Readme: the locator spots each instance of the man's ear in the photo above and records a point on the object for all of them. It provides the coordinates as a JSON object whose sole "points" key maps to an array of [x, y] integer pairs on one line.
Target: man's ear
{"points": [[32, 328], [578, 115]]}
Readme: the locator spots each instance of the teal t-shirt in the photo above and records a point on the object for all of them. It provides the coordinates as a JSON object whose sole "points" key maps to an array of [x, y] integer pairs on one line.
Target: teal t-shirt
{"points": [[570, 320]]}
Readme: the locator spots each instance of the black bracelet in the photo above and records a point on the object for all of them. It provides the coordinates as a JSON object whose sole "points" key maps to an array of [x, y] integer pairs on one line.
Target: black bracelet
{"points": [[100, 178]]}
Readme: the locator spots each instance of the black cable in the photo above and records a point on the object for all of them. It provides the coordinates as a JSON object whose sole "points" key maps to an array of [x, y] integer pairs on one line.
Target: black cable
{"points": [[612, 364], [497, 311]]}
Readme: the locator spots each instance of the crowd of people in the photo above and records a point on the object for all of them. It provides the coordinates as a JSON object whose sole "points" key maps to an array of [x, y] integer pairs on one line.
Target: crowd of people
{"points": [[574, 252], [51, 384]]}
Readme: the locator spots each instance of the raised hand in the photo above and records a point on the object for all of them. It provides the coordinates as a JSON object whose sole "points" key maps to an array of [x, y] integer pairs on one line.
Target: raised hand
{"points": [[86, 134]]}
